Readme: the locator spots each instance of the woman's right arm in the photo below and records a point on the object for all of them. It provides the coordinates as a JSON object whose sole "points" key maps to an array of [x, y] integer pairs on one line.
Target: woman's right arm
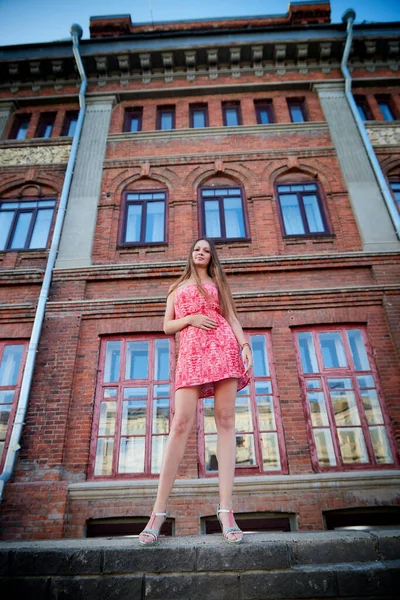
{"points": [[172, 325]]}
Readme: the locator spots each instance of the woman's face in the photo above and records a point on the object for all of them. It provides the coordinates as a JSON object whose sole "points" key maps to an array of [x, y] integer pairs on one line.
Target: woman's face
{"points": [[201, 254]]}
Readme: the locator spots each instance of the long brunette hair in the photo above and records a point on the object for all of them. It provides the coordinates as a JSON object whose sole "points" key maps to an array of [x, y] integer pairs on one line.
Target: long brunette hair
{"points": [[215, 271]]}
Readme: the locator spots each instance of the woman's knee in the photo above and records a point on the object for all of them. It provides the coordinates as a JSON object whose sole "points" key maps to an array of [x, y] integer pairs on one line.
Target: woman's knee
{"points": [[181, 424], [225, 418]]}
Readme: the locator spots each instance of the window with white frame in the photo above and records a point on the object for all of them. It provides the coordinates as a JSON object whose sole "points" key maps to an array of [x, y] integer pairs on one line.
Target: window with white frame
{"points": [[132, 409], [345, 414]]}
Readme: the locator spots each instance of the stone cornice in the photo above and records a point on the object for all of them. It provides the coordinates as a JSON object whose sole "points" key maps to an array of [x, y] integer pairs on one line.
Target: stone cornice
{"points": [[261, 484], [384, 133]]}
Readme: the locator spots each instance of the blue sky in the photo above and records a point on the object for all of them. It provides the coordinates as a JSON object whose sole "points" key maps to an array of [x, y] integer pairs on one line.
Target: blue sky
{"points": [[30, 21]]}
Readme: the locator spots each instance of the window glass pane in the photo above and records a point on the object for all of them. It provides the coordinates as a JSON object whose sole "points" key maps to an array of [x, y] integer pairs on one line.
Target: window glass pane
{"points": [[6, 396], [332, 350], [209, 422], [361, 112], [131, 455], [211, 460], [372, 407], [41, 229], [324, 446], [309, 186], [160, 416], [270, 452], [110, 393], [296, 113], [5, 224], [132, 196], [107, 418], [104, 454], [264, 116], [266, 416], [231, 115], [155, 219], [48, 128], [284, 188], [166, 120], [358, 350], [133, 223], [10, 364], [136, 392], [307, 351], [292, 219], [45, 203], [137, 359], [243, 420], [319, 416], [21, 230], [22, 129], [380, 442], [260, 356], [345, 408], [135, 123], [234, 222], [1, 449], [231, 192], [161, 364], [213, 224], [313, 214], [111, 369], [5, 411], [366, 381], [199, 118], [72, 126], [133, 418], [146, 196], [263, 387], [386, 111], [208, 192], [352, 445], [245, 455], [157, 451], [313, 384], [161, 391], [340, 384]]}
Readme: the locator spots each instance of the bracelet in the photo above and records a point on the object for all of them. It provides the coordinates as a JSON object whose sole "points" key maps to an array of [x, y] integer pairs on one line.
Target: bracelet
{"points": [[245, 344]]}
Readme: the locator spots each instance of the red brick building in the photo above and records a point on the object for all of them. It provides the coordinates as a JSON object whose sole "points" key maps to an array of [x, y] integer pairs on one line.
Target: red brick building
{"points": [[243, 130]]}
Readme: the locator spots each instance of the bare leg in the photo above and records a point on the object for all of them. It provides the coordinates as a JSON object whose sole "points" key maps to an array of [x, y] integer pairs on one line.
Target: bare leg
{"points": [[185, 412], [224, 412]]}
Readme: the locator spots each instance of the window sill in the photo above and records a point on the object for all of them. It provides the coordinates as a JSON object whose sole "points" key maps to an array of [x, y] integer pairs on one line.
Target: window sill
{"points": [[156, 247]]}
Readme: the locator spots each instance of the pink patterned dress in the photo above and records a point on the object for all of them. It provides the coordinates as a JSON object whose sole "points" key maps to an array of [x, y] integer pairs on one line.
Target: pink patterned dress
{"points": [[206, 356]]}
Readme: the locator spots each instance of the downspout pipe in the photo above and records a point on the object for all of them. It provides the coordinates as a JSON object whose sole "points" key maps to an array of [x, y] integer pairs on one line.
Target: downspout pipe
{"points": [[14, 446], [348, 17]]}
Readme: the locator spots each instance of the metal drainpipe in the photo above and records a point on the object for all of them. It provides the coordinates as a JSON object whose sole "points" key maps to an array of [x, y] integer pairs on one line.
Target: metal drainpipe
{"points": [[13, 447], [348, 17]]}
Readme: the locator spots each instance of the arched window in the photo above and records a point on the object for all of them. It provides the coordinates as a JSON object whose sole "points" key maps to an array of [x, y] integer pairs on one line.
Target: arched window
{"points": [[222, 210], [144, 215]]}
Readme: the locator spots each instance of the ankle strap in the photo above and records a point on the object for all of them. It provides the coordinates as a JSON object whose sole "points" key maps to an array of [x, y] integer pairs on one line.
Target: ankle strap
{"points": [[225, 510], [153, 514]]}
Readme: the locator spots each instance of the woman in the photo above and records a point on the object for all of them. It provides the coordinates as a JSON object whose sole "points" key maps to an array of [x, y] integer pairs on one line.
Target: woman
{"points": [[200, 306]]}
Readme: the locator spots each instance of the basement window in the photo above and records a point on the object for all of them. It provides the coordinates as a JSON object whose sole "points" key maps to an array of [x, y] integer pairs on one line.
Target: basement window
{"points": [[364, 518], [253, 523], [124, 526]]}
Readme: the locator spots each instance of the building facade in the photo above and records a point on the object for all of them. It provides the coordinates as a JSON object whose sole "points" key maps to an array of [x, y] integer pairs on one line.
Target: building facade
{"points": [[241, 130]]}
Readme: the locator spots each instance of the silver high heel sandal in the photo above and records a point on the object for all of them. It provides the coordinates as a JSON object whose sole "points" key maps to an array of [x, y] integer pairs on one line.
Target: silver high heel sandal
{"points": [[231, 529], [152, 532]]}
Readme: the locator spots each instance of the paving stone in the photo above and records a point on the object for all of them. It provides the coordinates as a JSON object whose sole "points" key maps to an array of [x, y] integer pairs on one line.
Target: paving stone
{"points": [[388, 544], [168, 587], [55, 562], [339, 549], [378, 578], [153, 560], [247, 556], [296, 583], [96, 588], [192, 587], [26, 588]]}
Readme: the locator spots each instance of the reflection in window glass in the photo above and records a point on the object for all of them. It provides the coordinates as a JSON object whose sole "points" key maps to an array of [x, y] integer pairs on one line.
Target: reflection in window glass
{"points": [[352, 445], [155, 222], [307, 351], [133, 418], [107, 418], [319, 415], [157, 451], [243, 418], [231, 116], [213, 224], [324, 446], [5, 411], [266, 415], [131, 455], [245, 454], [41, 229], [270, 452], [160, 416], [10, 364], [380, 442], [234, 223], [291, 214], [111, 369], [313, 213], [211, 452], [133, 223], [345, 408], [260, 358], [372, 407], [332, 350], [137, 356], [358, 350], [209, 421], [21, 230], [161, 365], [104, 456]]}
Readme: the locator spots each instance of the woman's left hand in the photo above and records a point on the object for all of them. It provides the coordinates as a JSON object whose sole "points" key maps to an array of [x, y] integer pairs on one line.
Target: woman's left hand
{"points": [[247, 358]]}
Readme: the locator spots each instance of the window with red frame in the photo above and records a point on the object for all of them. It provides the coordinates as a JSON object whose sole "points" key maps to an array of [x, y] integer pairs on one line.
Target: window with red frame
{"points": [[132, 409], [301, 209], [12, 357], [259, 435], [345, 414]]}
